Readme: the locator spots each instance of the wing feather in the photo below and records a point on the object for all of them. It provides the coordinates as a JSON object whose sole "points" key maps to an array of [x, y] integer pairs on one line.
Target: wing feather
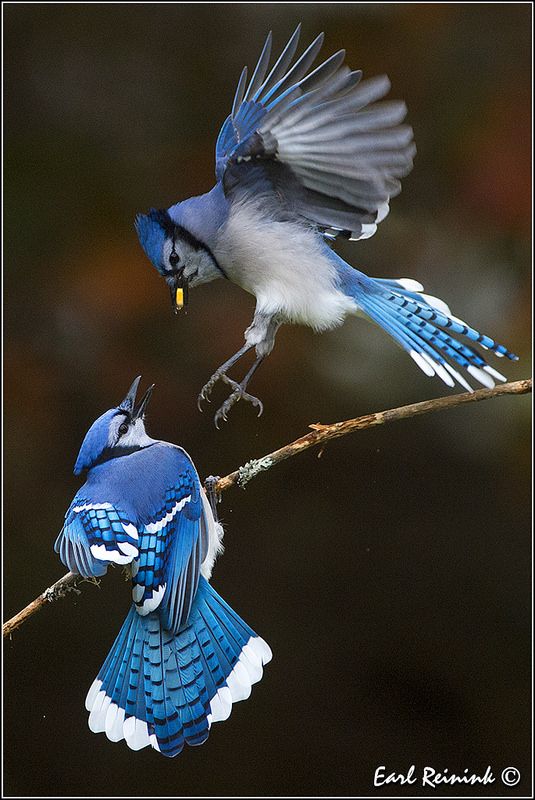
{"points": [[281, 65], [323, 127], [94, 535], [297, 72], [171, 550], [261, 68], [240, 91]]}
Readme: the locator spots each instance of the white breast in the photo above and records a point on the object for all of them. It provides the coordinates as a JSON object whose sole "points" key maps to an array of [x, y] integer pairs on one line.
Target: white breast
{"points": [[214, 532], [284, 264]]}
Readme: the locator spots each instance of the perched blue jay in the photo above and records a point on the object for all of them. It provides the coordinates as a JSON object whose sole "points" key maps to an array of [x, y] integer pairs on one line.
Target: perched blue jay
{"points": [[307, 157], [182, 656]]}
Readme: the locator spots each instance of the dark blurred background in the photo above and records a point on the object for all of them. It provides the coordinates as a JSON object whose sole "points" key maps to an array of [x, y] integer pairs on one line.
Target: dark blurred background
{"points": [[391, 577]]}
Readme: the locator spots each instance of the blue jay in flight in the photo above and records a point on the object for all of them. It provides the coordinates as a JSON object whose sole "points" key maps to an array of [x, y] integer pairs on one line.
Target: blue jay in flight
{"points": [[182, 656], [307, 156]]}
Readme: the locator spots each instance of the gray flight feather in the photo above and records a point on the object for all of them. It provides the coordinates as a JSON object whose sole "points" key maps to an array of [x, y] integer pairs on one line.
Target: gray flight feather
{"points": [[299, 69], [260, 70], [238, 97], [330, 151], [281, 65], [323, 72]]}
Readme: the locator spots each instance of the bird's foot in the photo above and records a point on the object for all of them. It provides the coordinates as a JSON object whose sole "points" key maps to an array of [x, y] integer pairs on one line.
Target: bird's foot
{"points": [[206, 390], [238, 393], [214, 497]]}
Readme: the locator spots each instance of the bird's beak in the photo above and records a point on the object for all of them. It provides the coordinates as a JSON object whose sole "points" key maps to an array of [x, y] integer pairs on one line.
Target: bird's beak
{"points": [[140, 410], [130, 399], [179, 292]]}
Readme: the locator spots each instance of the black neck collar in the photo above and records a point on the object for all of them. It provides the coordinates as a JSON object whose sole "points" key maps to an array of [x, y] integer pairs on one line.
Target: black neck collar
{"points": [[117, 452]]}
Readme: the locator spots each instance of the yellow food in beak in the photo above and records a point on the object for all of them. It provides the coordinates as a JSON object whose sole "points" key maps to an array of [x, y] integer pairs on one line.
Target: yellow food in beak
{"points": [[179, 298]]}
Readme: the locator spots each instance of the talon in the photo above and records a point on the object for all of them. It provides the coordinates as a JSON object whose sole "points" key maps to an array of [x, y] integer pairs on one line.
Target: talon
{"points": [[214, 497], [202, 398], [238, 394], [220, 416], [237, 389], [206, 390]]}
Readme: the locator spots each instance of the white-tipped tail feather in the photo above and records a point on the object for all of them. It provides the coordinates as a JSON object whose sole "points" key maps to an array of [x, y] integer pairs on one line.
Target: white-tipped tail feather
{"points": [[485, 375], [106, 717], [247, 671]]}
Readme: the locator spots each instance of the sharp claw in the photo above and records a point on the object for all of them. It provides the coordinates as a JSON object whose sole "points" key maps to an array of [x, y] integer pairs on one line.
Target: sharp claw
{"points": [[234, 398], [206, 391], [238, 393]]}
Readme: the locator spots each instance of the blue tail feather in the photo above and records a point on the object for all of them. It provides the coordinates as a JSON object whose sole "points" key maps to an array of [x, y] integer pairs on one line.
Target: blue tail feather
{"points": [[458, 351], [224, 649], [163, 689], [417, 323], [402, 333], [426, 312], [115, 674], [213, 672]]}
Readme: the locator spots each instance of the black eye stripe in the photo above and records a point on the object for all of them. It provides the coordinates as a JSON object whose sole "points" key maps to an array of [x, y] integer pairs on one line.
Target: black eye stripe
{"points": [[173, 230]]}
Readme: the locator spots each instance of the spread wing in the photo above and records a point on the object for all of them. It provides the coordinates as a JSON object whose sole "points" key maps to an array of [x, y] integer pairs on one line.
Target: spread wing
{"points": [[331, 152], [95, 534]]}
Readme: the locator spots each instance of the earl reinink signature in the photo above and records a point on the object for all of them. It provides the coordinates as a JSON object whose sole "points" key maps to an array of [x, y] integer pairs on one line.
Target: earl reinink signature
{"points": [[430, 777]]}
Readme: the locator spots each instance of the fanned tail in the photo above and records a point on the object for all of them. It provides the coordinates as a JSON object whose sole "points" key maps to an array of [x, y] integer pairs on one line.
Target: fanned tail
{"points": [[165, 690], [425, 327]]}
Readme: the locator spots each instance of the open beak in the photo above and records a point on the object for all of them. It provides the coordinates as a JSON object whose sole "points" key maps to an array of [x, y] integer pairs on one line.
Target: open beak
{"points": [[179, 293], [140, 410], [130, 399]]}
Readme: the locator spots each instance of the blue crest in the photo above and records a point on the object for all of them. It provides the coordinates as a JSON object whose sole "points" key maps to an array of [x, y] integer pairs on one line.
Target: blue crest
{"points": [[95, 441], [153, 229]]}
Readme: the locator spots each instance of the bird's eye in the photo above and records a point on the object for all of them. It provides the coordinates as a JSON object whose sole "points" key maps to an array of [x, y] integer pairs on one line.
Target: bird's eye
{"points": [[123, 428], [174, 259]]}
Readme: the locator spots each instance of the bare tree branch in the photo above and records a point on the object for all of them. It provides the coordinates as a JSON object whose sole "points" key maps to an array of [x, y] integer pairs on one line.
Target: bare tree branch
{"points": [[318, 436]]}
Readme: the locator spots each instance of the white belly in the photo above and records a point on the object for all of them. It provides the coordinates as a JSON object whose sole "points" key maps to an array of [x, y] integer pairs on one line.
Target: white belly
{"points": [[284, 265]]}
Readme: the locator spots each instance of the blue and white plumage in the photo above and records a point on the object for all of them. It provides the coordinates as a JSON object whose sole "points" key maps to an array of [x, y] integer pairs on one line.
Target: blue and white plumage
{"points": [[305, 157], [183, 656]]}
